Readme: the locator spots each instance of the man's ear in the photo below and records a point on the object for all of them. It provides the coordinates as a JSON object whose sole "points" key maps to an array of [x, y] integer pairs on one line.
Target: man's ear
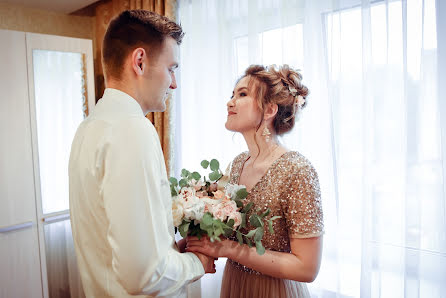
{"points": [[139, 60], [270, 111]]}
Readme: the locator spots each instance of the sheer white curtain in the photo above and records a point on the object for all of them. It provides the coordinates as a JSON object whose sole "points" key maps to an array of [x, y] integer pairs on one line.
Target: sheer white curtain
{"points": [[372, 127]]}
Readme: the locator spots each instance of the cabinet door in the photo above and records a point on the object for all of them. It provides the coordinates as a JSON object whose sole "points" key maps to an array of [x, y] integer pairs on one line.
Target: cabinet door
{"points": [[17, 200], [19, 262], [19, 247]]}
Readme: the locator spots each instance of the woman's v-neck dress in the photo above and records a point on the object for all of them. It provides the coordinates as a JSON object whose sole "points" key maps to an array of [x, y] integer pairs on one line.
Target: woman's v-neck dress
{"points": [[290, 188]]}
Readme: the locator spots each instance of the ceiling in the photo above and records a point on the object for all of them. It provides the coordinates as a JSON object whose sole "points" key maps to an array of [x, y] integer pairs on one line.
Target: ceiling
{"points": [[61, 6]]}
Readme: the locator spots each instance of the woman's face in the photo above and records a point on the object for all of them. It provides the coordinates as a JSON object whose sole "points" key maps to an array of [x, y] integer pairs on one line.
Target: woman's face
{"points": [[243, 112]]}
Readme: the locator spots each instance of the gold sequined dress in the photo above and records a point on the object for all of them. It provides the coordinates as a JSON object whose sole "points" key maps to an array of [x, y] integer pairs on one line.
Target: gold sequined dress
{"points": [[290, 188]]}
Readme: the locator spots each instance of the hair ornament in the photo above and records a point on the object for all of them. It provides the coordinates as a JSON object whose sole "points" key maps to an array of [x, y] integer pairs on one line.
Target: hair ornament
{"points": [[299, 99]]}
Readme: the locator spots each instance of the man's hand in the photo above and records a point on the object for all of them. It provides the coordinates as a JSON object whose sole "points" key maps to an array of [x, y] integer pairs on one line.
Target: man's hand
{"points": [[182, 245], [207, 262]]}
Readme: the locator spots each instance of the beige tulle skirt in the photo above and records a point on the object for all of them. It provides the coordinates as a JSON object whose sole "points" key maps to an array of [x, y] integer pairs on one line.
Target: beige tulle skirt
{"points": [[240, 284]]}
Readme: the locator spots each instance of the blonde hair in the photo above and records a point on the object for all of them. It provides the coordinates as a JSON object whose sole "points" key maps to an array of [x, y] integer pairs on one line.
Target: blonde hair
{"points": [[280, 86]]}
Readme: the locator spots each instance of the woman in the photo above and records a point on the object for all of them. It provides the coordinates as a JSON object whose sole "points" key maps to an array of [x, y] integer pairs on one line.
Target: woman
{"points": [[264, 104]]}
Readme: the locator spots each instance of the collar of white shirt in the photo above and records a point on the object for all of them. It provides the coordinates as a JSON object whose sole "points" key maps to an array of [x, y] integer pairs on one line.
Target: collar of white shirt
{"points": [[117, 101]]}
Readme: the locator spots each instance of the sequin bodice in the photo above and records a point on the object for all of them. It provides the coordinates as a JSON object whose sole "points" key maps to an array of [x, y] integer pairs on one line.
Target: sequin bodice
{"points": [[290, 188]]}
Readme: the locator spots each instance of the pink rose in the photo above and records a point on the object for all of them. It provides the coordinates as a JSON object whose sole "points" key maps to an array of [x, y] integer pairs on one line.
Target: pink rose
{"points": [[219, 194], [237, 217], [213, 187], [219, 214]]}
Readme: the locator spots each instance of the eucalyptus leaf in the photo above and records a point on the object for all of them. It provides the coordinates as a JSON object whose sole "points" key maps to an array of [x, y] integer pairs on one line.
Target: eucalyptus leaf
{"points": [[183, 228], [251, 233], [239, 203], [248, 242], [183, 183], [173, 181], [255, 221], [207, 219], [173, 191], [214, 176], [243, 224], [259, 247], [228, 232], [196, 176], [239, 237], [275, 217], [267, 212], [205, 164], [215, 165], [270, 227], [242, 194], [230, 223], [259, 234], [247, 207], [184, 173]]}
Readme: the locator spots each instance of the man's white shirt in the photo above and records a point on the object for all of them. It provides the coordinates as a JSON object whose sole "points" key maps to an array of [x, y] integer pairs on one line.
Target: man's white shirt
{"points": [[120, 206]]}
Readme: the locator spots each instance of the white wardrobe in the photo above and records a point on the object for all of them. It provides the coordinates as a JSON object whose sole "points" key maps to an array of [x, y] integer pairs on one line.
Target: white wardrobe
{"points": [[46, 89]]}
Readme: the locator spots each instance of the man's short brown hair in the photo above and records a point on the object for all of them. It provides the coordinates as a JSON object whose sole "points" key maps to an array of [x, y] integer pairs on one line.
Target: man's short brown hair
{"points": [[132, 29]]}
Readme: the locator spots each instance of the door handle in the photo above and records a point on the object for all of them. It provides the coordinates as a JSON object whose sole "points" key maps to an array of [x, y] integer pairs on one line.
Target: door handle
{"points": [[17, 227]]}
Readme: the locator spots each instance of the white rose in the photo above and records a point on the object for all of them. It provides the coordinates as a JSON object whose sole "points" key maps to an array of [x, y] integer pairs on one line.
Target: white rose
{"points": [[186, 193], [194, 209], [210, 204], [177, 211], [232, 189]]}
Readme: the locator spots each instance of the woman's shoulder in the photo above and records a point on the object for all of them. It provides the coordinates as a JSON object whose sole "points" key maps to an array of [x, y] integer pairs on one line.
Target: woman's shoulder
{"points": [[296, 163], [240, 157]]}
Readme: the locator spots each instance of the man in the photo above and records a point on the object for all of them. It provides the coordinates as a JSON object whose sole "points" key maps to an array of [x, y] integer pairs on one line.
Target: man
{"points": [[119, 193]]}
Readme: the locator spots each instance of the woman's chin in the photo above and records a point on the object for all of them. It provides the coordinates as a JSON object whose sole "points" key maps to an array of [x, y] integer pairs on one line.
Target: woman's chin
{"points": [[230, 127]]}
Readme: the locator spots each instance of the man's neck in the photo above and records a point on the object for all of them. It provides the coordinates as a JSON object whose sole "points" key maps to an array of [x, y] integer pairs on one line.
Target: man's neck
{"points": [[128, 88]]}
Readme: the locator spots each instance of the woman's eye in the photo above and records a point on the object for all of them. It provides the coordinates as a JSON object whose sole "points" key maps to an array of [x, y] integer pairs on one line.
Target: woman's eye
{"points": [[243, 94]]}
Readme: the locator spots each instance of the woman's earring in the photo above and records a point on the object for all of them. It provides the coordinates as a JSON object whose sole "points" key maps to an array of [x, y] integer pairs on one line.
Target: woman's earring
{"points": [[266, 133]]}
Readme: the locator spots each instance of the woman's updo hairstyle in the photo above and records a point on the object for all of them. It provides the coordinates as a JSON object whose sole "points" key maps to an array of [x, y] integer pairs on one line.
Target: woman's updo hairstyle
{"points": [[280, 86]]}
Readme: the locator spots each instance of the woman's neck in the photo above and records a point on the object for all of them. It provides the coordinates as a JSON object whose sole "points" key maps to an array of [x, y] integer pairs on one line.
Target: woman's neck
{"points": [[259, 148]]}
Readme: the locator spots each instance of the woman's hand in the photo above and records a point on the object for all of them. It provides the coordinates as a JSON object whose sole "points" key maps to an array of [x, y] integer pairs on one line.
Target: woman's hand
{"points": [[224, 248]]}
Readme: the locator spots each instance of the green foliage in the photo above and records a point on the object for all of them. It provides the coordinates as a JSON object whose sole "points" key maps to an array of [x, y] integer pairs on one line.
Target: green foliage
{"points": [[242, 194], [255, 221], [196, 176], [183, 183], [215, 165], [259, 248], [270, 227], [184, 173], [239, 237], [239, 203], [205, 164], [259, 234], [173, 191], [215, 228], [214, 176], [266, 213], [183, 228], [243, 224], [173, 181], [247, 207]]}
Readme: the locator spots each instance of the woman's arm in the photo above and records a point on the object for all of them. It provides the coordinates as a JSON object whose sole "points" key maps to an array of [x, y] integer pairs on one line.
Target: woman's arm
{"points": [[302, 264]]}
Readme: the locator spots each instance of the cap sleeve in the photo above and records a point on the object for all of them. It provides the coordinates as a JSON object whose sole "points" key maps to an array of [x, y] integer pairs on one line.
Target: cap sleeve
{"points": [[302, 205]]}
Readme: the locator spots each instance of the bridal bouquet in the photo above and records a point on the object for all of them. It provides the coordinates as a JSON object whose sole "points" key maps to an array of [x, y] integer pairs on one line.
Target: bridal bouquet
{"points": [[213, 207]]}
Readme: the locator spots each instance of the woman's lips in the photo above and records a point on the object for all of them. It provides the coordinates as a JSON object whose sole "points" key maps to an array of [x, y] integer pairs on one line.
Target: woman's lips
{"points": [[231, 113]]}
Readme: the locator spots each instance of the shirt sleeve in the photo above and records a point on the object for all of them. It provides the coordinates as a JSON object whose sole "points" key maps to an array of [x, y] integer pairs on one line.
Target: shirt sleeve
{"points": [[137, 203], [303, 205]]}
